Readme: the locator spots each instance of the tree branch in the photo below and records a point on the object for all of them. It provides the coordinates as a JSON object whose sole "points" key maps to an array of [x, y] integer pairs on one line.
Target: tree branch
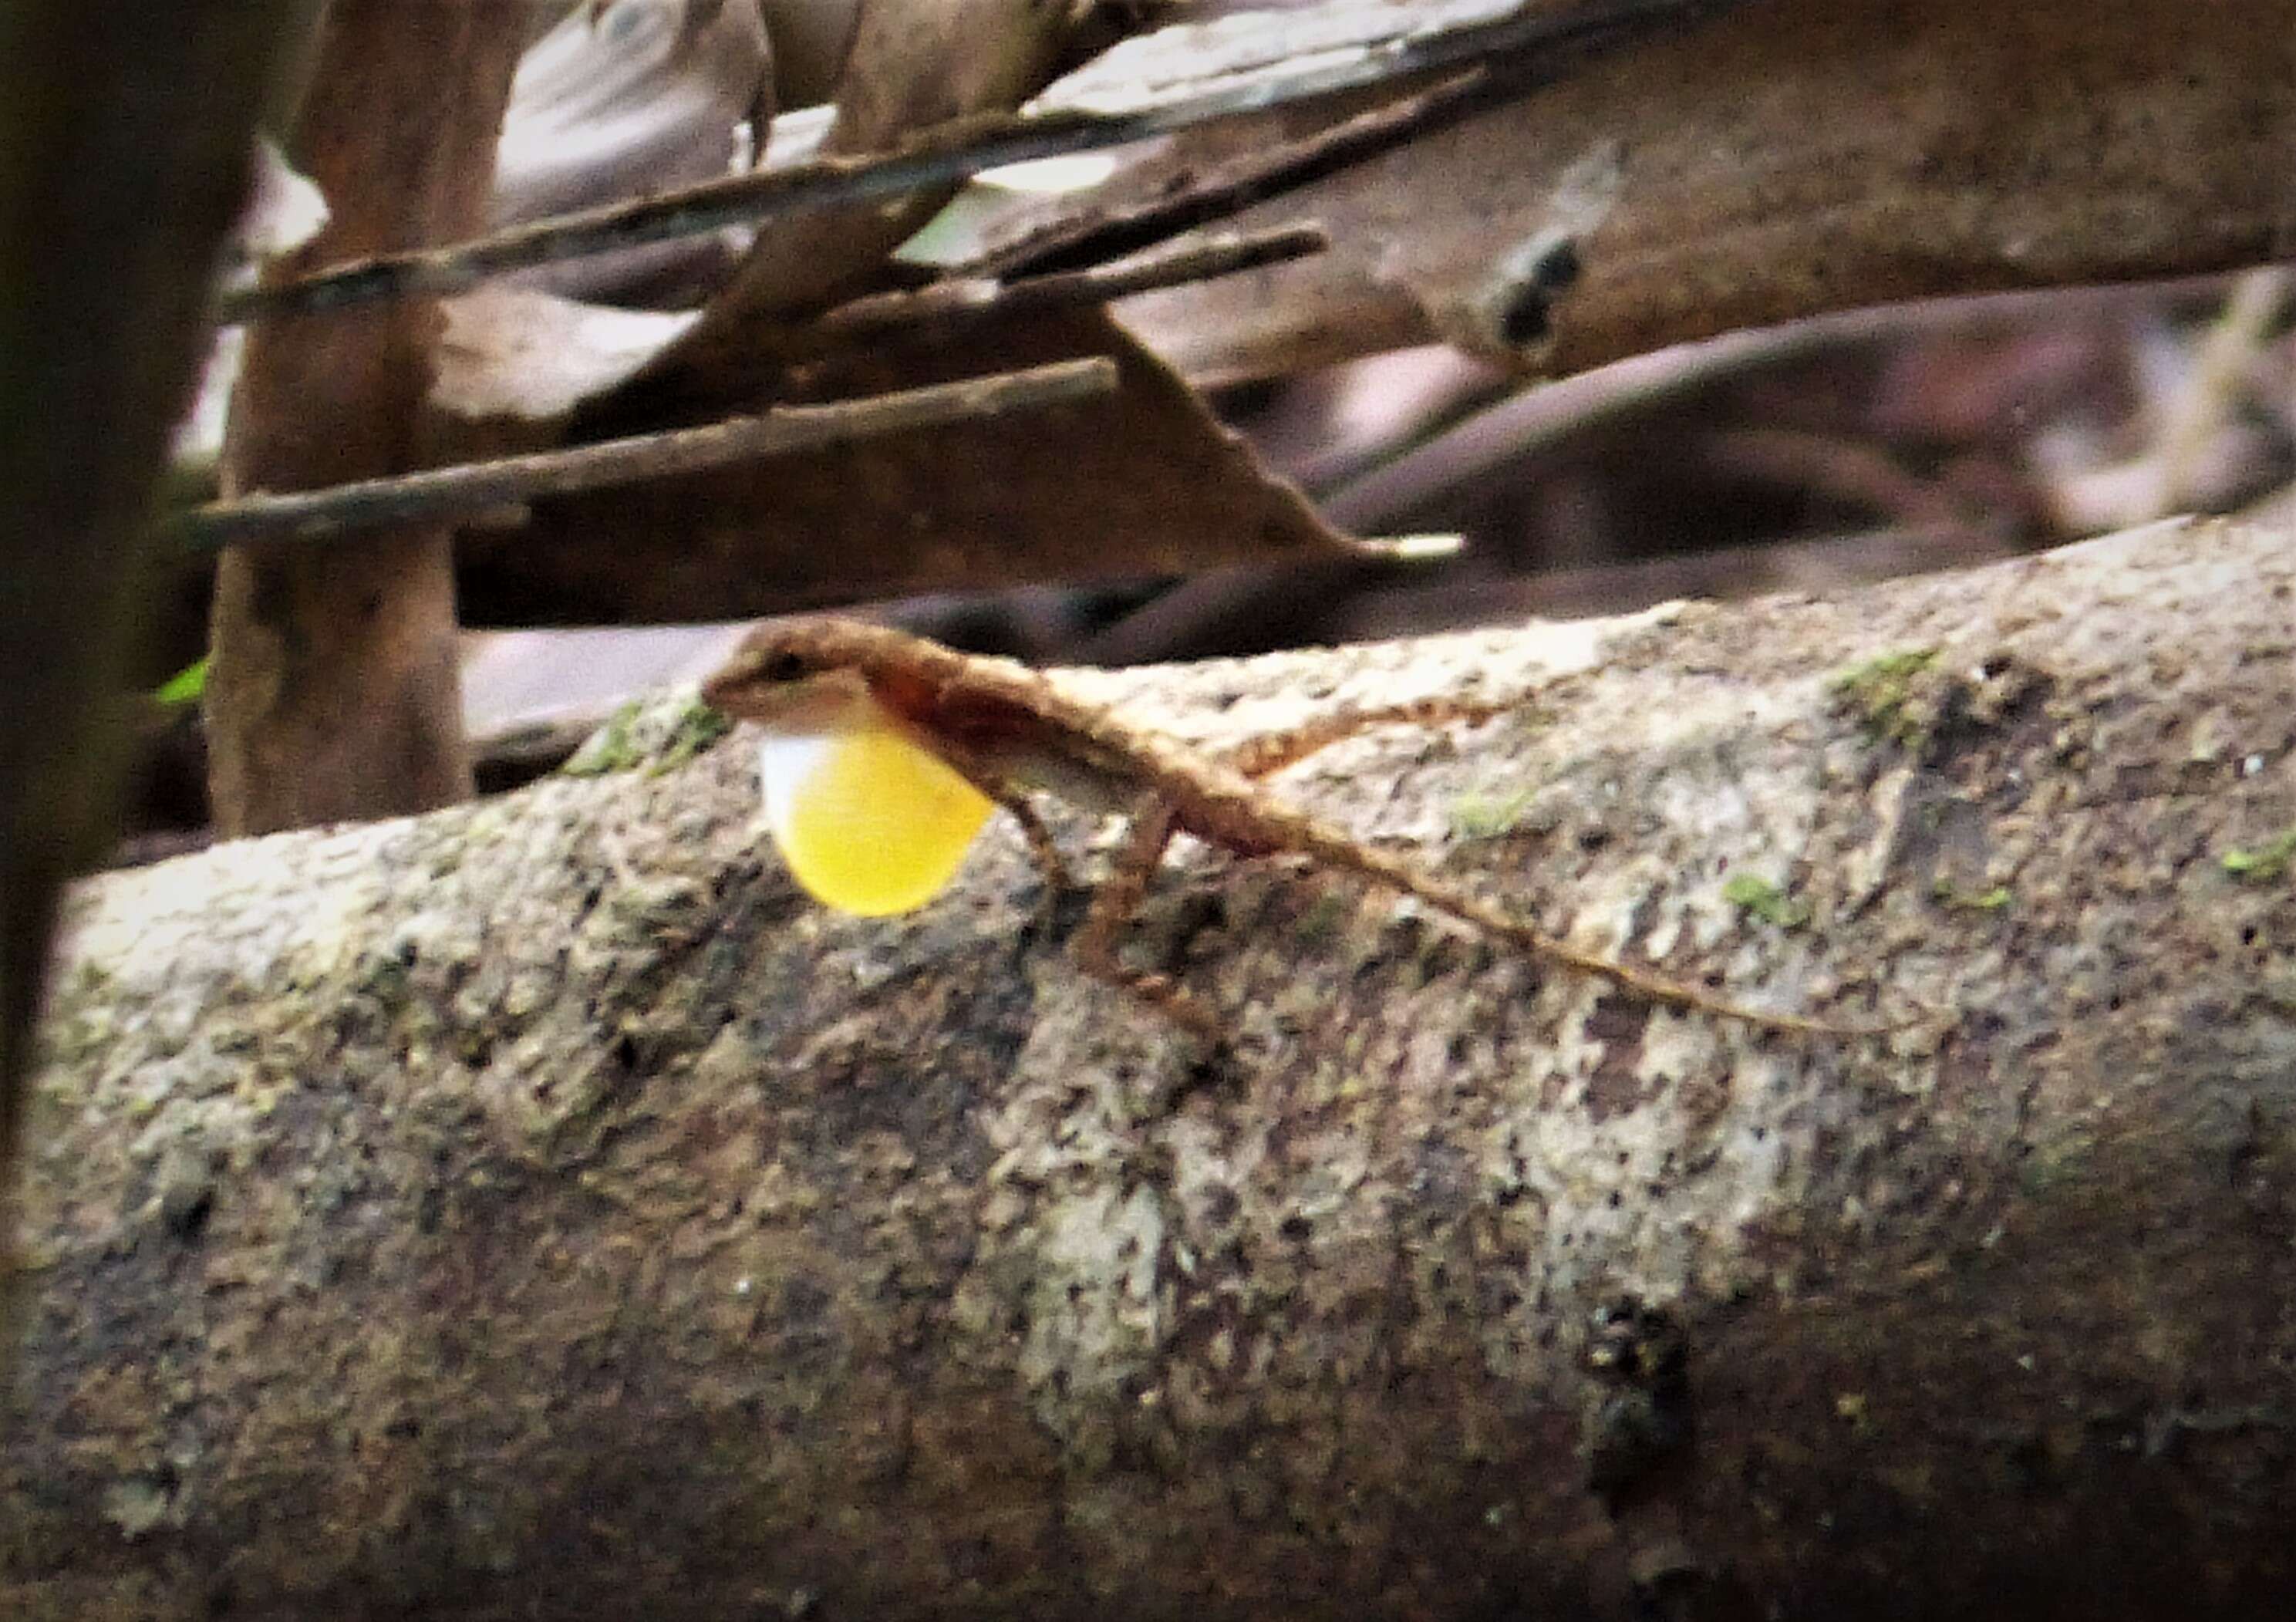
{"points": [[436, 492], [1790, 158], [598, 1227]]}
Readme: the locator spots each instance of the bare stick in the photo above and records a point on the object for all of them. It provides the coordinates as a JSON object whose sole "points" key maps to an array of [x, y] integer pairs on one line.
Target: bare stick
{"points": [[969, 297], [1230, 188], [317, 514], [949, 151], [947, 154]]}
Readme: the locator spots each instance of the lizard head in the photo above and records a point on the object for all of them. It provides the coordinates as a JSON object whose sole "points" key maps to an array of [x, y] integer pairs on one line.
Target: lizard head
{"points": [[792, 677]]}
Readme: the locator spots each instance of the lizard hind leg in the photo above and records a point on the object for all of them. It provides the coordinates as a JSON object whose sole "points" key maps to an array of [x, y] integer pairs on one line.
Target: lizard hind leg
{"points": [[1113, 901]]}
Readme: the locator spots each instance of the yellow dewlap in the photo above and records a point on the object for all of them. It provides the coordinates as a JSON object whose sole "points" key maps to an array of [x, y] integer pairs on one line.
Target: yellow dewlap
{"points": [[868, 822]]}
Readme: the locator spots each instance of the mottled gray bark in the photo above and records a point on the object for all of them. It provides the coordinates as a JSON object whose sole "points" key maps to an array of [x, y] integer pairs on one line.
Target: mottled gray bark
{"points": [[537, 1208]]}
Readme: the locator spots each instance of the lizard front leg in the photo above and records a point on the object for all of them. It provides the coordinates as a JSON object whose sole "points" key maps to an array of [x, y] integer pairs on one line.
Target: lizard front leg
{"points": [[1114, 903], [1114, 899], [1014, 801]]}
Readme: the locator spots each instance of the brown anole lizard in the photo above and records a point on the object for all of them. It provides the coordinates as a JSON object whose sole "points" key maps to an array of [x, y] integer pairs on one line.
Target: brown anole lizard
{"points": [[1010, 733]]}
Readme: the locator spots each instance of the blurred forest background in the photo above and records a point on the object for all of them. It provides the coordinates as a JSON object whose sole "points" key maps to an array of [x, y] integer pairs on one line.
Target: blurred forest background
{"points": [[1393, 388]]}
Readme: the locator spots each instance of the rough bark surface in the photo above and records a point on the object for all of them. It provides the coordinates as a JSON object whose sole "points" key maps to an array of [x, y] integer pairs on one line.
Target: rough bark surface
{"points": [[537, 1208]]}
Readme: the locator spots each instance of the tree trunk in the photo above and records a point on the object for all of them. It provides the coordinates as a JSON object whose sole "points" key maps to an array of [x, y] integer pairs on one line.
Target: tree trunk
{"points": [[538, 1208], [125, 141], [334, 692]]}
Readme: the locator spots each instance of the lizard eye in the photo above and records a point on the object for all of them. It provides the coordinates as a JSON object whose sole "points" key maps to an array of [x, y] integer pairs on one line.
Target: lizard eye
{"points": [[782, 666]]}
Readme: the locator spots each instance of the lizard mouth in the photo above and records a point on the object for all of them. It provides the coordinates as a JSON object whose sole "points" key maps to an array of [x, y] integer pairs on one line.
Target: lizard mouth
{"points": [[831, 701]]}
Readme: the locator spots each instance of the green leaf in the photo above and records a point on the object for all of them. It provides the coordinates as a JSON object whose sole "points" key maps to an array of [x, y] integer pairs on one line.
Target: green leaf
{"points": [[186, 686], [1491, 817]]}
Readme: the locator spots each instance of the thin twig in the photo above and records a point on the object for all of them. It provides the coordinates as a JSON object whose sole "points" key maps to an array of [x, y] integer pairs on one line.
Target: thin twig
{"points": [[964, 297], [317, 514], [1232, 186], [948, 151], [2186, 418]]}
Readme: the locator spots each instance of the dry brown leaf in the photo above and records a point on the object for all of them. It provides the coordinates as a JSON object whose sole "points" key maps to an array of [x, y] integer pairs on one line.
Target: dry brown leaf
{"points": [[1143, 483], [1790, 158], [914, 64]]}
